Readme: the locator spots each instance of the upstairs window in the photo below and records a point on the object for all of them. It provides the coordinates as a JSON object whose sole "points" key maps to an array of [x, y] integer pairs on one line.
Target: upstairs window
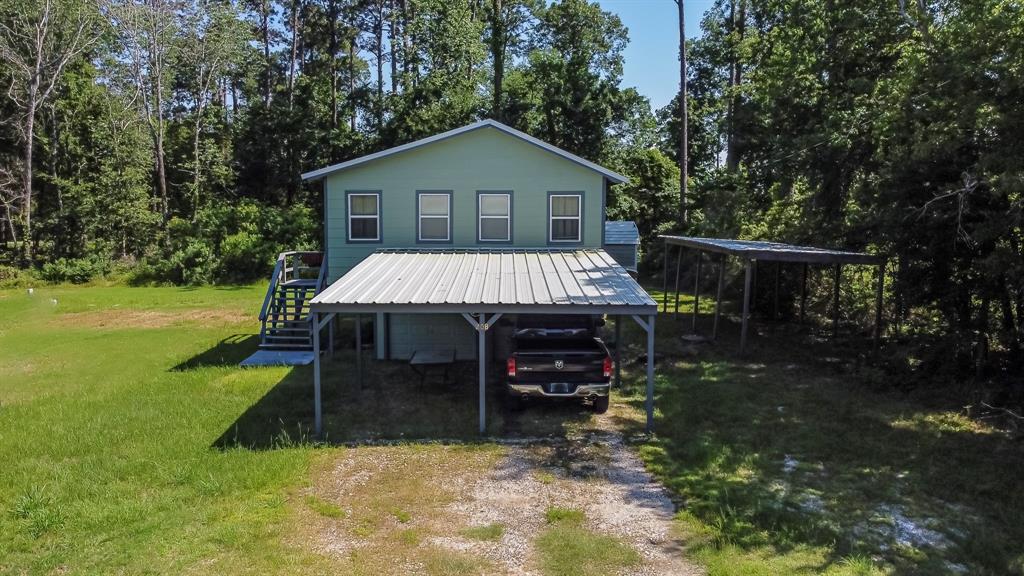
{"points": [[434, 210], [565, 217], [364, 217], [495, 217]]}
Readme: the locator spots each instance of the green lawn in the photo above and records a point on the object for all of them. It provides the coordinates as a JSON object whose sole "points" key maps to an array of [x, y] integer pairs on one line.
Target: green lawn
{"points": [[132, 443], [107, 432], [800, 459]]}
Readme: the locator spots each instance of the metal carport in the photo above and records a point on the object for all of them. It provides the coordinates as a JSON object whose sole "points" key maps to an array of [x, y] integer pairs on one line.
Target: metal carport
{"points": [[481, 286], [750, 252]]}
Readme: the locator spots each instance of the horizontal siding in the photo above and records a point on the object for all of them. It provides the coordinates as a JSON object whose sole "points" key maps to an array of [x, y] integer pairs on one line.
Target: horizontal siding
{"points": [[434, 332], [484, 159]]}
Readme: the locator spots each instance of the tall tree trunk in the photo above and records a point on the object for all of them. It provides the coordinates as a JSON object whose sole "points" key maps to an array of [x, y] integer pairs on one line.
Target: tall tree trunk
{"points": [[195, 167], [265, 33], [26, 177], [294, 49], [393, 40], [378, 32], [158, 143], [498, 56], [352, 80], [737, 25], [332, 14], [684, 159]]}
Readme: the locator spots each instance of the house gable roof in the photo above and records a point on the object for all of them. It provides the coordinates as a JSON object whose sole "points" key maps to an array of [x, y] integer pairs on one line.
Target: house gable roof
{"points": [[612, 176]]}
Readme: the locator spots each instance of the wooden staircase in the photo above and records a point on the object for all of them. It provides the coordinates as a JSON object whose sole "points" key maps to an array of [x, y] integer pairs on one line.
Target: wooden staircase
{"points": [[284, 318]]}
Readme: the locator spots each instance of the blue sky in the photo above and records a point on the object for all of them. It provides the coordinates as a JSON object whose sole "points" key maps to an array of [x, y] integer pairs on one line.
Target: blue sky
{"points": [[652, 56]]}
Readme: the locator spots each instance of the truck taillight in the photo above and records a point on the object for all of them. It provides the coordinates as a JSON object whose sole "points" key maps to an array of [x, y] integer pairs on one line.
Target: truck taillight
{"points": [[607, 367], [511, 365]]}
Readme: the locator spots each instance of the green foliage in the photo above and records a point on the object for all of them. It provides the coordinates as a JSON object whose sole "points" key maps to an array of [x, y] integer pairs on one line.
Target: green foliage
{"points": [[566, 548], [11, 277], [573, 516], [74, 270]]}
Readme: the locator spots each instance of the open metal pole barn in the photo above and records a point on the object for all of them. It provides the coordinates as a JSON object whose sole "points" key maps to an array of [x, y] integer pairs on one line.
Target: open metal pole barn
{"points": [[481, 286], [750, 252]]}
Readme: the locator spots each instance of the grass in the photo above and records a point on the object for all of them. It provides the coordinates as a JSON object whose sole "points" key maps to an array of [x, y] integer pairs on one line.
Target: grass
{"points": [[568, 548], [108, 436], [324, 508], [487, 532], [801, 459]]}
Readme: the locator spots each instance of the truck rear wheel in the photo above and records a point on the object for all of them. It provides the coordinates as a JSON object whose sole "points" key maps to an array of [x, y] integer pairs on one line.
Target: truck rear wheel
{"points": [[601, 404]]}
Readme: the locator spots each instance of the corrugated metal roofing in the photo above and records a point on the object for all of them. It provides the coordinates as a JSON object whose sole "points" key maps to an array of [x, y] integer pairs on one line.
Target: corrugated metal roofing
{"points": [[774, 251], [583, 281], [621, 232], [614, 177]]}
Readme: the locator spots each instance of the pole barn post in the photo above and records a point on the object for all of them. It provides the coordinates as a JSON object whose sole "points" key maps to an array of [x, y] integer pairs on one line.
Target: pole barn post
{"points": [[696, 292], [879, 291], [803, 294], [317, 410], [775, 296], [718, 295], [664, 284], [679, 266], [747, 274], [835, 301]]}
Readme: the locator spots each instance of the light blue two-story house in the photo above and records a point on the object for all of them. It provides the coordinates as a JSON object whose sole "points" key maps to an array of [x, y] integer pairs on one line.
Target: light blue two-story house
{"points": [[436, 240]]}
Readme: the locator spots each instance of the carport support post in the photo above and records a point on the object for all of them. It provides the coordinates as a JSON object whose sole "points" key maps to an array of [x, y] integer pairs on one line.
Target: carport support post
{"points": [[317, 409], [618, 351], [481, 326], [650, 373], [696, 291], [648, 327], [748, 273], [718, 296], [359, 350]]}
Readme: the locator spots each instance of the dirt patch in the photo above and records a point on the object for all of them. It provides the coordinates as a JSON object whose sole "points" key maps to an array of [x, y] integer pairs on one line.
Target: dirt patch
{"points": [[117, 318], [398, 507], [390, 503]]}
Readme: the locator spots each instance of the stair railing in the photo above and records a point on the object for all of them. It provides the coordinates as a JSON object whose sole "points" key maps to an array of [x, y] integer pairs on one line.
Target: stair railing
{"points": [[271, 290]]}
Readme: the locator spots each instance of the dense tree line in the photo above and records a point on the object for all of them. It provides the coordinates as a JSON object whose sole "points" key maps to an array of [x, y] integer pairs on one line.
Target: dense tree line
{"points": [[890, 125], [168, 136]]}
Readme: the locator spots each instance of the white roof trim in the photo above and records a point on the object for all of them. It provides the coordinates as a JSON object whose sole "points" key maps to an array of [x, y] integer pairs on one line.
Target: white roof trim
{"points": [[614, 177]]}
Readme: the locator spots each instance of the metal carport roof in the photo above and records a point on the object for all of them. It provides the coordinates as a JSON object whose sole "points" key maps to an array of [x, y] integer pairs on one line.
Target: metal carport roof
{"points": [[585, 281], [482, 285]]}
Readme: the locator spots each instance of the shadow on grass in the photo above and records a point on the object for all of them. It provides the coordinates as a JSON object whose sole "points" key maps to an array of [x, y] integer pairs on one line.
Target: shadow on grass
{"points": [[392, 406], [228, 352], [799, 444]]}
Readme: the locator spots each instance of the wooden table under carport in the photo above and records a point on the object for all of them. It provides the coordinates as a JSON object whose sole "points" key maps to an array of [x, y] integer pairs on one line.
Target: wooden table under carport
{"points": [[752, 251]]}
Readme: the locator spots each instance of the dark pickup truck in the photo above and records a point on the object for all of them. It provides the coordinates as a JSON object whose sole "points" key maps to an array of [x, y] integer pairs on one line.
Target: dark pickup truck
{"points": [[550, 361]]}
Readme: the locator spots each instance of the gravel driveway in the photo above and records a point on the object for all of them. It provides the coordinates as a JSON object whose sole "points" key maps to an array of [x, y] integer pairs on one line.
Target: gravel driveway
{"points": [[596, 473]]}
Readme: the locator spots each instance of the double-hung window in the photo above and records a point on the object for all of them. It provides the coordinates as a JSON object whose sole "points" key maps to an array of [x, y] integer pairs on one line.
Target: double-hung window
{"points": [[434, 213], [364, 216], [565, 217], [495, 210]]}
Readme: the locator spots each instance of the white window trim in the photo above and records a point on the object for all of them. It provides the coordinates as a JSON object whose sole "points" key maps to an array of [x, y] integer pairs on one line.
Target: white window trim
{"points": [[447, 218], [507, 217], [375, 217], [578, 217]]}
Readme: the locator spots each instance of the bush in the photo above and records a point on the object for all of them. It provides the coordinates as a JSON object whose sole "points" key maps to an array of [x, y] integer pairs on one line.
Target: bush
{"points": [[74, 270], [11, 277], [193, 265], [244, 256]]}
